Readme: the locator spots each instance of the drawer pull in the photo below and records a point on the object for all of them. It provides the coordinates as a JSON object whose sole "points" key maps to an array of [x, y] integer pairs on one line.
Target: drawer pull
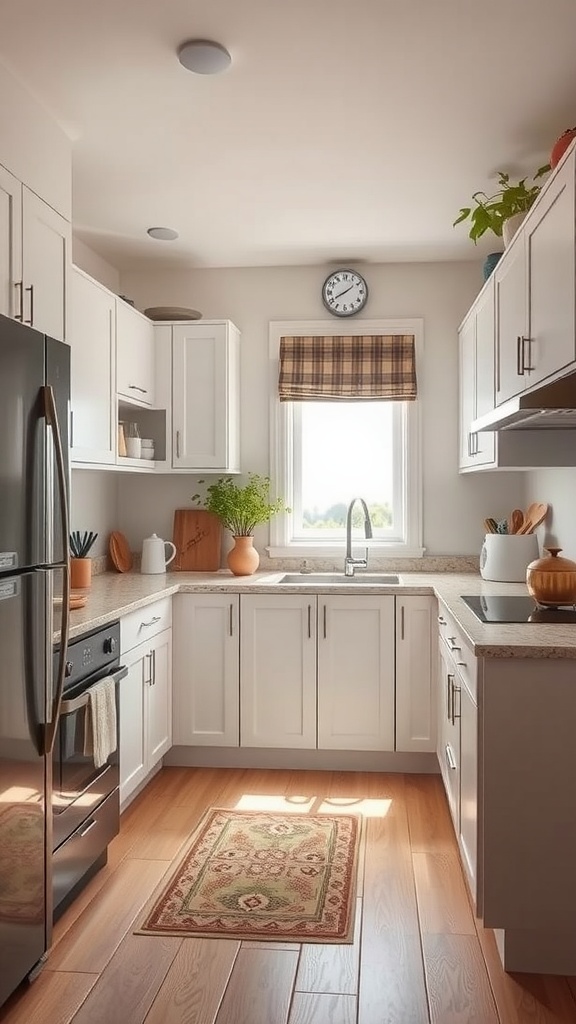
{"points": [[153, 621], [441, 621], [450, 758], [87, 829], [452, 644], [134, 387]]}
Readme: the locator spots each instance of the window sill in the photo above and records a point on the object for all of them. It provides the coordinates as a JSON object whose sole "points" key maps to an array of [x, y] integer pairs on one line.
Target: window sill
{"points": [[312, 550]]}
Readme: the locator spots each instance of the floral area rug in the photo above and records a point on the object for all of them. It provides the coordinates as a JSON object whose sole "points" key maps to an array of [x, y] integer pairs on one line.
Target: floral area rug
{"points": [[262, 875], [22, 863]]}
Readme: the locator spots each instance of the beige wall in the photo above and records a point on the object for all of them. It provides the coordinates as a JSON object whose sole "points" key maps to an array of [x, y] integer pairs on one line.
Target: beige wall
{"points": [[91, 263], [440, 293], [94, 505], [557, 487]]}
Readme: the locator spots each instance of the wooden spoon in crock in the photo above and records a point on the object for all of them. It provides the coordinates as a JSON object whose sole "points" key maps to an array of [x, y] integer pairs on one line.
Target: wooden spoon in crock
{"points": [[535, 514]]}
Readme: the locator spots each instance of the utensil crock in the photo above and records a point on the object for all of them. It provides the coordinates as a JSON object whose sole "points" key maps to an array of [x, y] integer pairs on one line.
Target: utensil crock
{"points": [[504, 557]]}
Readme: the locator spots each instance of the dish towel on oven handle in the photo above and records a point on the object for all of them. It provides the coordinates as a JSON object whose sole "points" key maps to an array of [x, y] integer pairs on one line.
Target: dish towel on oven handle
{"points": [[100, 730]]}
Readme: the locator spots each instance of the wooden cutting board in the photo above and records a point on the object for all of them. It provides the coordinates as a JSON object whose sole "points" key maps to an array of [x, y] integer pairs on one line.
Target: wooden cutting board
{"points": [[197, 539]]}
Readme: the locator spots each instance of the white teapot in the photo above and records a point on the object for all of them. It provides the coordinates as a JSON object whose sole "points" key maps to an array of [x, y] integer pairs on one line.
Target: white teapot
{"points": [[154, 555]]}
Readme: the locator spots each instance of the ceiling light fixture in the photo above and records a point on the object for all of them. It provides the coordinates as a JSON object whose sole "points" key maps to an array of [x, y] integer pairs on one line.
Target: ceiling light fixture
{"points": [[204, 57], [165, 234]]}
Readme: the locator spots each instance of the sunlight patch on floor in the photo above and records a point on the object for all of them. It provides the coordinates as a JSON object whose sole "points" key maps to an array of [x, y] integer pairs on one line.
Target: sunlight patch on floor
{"points": [[368, 808], [266, 802]]}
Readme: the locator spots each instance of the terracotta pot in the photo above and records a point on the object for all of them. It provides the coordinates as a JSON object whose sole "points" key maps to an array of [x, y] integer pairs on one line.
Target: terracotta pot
{"points": [[561, 145], [243, 559], [552, 580], [80, 573]]}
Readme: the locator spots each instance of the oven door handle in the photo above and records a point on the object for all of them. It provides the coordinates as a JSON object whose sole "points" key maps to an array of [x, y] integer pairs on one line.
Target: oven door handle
{"points": [[67, 707]]}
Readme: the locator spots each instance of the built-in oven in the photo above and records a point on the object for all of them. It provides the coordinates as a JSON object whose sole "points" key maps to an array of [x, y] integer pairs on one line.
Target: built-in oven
{"points": [[85, 792]]}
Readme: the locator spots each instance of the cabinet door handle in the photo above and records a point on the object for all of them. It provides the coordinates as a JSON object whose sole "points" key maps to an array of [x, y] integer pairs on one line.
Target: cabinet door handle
{"points": [[526, 364], [441, 621], [31, 320], [519, 356], [309, 621], [450, 758], [452, 643], [454, 716], [231, 620], [154, 666], [324, 620], [177, 444], [449, 682], [20, 286], [402, 622]]}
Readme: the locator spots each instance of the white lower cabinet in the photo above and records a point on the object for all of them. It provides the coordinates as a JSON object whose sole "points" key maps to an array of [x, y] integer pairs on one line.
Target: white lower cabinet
{"points": [[206, 670], [468, 833], [449, 733], [355, 673], [416, 673], [327, 672], [145, 705], [458, 741], [278, 671]]}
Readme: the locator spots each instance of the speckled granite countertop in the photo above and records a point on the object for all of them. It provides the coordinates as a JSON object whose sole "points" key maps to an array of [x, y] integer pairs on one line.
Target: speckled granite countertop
{"points": [[113, 595]]}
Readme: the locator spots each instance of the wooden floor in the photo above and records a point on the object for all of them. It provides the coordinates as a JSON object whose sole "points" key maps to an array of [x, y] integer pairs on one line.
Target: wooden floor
{"points": [[418, 956]]}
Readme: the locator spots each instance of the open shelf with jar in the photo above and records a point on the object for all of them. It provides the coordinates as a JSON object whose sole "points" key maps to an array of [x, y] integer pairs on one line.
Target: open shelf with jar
{"points": [[141, 437]]}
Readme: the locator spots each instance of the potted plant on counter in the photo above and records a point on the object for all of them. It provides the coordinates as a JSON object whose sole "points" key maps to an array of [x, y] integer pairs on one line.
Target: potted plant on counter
{"points": [[503, 211], [241, 508]]}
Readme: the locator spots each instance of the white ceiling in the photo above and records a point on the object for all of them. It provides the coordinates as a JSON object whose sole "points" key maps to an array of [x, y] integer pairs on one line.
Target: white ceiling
{"points": [[345, 130]]}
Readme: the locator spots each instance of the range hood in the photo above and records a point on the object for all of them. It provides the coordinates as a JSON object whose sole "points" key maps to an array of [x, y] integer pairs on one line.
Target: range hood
{"points": [[548, 406]]}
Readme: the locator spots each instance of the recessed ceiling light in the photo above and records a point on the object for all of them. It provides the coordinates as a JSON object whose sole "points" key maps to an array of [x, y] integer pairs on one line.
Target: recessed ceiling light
{"points": [[204, 57], [165, 234]]}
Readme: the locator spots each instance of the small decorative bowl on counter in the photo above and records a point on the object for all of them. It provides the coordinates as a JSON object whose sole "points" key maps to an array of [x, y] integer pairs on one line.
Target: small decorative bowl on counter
{"points": [[551, 580]]}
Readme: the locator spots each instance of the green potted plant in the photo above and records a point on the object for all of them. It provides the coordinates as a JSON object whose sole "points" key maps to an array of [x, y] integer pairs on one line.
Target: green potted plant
{"points": [[494, 213], [241, 508]]}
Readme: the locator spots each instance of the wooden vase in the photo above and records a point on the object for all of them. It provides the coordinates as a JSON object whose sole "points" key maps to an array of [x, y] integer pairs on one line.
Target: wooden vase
{"points": [[243, 559], [80, 573]]}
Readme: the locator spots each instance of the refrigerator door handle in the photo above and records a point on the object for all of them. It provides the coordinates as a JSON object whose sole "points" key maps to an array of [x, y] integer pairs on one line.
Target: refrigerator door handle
{"points": [[52, 421]]}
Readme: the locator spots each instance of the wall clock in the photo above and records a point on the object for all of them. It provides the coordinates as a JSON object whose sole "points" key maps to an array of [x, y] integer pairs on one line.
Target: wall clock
{"points": [[344, 293]]}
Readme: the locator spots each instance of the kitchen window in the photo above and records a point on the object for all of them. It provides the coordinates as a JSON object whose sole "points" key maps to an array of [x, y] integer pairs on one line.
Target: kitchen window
{"points": [[324, 453]]}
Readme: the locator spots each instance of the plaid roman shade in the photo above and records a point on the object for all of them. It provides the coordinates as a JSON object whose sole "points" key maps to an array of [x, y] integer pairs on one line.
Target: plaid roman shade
{"points": [[350, 367]]}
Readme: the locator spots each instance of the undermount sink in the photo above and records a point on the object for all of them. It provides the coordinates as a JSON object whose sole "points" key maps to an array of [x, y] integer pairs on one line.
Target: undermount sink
{"points": [[368, 579]]}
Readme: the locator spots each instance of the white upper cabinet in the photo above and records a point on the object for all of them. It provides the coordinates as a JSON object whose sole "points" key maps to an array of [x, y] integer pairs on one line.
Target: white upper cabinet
{"points": [[10, 243], [92, 311], [476, 340], [205, 396], [34, 259], [536, 291], [134, 355]]}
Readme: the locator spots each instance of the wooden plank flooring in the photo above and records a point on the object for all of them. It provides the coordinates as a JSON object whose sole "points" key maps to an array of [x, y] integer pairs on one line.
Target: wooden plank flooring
{"points": [[419, 956]]}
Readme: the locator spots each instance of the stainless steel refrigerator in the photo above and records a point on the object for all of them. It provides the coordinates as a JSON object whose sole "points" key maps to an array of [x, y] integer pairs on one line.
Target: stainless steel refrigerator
{"points": [[34, 599]]}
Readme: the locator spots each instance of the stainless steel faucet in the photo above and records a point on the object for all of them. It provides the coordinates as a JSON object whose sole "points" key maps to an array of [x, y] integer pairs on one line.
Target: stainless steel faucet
{"points": [[352, 563]]}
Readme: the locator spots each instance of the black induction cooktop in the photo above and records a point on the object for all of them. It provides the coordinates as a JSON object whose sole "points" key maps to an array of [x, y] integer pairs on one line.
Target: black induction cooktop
{"points": [[502, 608]]}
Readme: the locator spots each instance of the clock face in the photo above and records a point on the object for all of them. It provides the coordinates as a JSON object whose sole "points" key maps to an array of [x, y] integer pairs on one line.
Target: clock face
{"points": [[344, 293]]}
